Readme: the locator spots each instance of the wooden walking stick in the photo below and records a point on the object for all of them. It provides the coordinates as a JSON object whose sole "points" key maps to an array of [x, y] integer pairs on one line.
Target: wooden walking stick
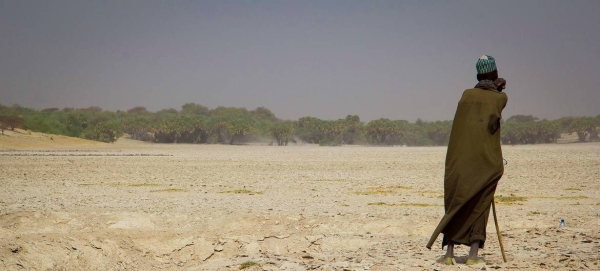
{"points": [[498, 230]]}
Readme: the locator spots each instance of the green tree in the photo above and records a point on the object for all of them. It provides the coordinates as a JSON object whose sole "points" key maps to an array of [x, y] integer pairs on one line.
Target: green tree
{"points": [[240, 126], [530, 132], [171, 128], [92, 109], [382, 132], [352, 130], [76, 123], [547, 131], [233, 127], [138, 110], [45, 122], [522, 118], [222, 111], [565, 123], [11, 122], [104, 132], [438, 131], [584, 127], [4, 123], [333, 131], [195, 109], [310, 129], [282, 132], [50, 110], [200, 131], [138, 128], [264, 114], [515, 132]]}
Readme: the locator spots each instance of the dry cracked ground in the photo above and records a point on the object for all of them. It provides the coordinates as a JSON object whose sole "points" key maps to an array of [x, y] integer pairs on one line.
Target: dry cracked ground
{"points": [[137, 206]]}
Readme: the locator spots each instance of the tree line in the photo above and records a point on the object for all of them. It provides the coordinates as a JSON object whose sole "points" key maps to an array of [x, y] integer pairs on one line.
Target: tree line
{"points": [[195, 123]]}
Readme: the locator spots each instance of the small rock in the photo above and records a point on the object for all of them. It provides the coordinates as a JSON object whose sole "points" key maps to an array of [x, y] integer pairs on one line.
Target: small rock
{"points": [[342, 265], [15, 249], [95, 244]]}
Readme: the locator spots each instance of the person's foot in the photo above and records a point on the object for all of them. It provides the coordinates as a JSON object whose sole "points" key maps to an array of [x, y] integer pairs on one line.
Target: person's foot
{"points": [[475, 262], [449, 261]]}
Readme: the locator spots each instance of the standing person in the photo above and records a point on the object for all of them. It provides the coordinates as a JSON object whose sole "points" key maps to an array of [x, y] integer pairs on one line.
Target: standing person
{"points": [[474, 164]]}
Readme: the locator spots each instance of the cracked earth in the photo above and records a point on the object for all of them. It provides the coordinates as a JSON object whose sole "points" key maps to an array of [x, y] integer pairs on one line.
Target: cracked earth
{"points": [[137, 206]]}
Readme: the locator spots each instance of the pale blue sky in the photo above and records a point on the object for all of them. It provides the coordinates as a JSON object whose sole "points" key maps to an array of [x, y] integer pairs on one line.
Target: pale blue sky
{"points": [[327, 59]]}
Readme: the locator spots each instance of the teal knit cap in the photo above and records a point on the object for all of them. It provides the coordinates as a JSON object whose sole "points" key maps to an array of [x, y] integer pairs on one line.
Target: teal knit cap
{"points": [[486, 64]]}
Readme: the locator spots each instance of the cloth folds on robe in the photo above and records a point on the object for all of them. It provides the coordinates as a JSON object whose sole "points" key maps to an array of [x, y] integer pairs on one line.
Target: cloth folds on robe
{"points": [[474, 165]]}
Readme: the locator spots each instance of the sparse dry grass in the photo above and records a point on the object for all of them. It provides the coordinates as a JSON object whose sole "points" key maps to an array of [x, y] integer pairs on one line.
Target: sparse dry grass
{"points": [[563, 197], [169, 190], [382, 190], [247, 264], [572, 198], [402, 204], [401, 187], [143, 184], [537, 213], [241, 191], [330, 180], [119, 184], [509, 199], [431, 192], [380, 204], [417, 204]]}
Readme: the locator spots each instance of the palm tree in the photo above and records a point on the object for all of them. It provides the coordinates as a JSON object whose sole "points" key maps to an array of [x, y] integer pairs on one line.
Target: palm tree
{"points": [[584, 127], [381, 131]]}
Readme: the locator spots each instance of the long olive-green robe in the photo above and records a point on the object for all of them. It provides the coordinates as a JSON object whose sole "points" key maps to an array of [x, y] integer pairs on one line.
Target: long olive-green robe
{"points": [[474, 166]]}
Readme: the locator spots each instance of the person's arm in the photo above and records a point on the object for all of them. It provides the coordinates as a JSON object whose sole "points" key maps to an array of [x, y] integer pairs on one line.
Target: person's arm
{"points": [[494, 122]]}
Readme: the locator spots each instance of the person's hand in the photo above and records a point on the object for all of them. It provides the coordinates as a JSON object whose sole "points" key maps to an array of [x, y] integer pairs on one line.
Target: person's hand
{"points": [[500, 84]]}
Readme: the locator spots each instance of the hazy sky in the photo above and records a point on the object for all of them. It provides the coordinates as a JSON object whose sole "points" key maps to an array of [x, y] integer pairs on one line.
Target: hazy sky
{"points": [[327, 59]]}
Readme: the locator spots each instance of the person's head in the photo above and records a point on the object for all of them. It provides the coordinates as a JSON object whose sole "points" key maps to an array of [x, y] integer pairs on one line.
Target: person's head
{"points": [[486, 68]]}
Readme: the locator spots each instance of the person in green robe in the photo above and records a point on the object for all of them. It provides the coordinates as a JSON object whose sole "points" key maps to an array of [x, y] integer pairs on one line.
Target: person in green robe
{"points": [[474, 164]]}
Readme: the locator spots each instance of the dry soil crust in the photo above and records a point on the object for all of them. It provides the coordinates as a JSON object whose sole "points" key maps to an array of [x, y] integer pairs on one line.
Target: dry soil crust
{"points": [[131, 206]]}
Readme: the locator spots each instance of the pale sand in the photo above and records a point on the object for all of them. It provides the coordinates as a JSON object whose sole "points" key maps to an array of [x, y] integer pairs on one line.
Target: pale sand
{"points": [[139, 206]]}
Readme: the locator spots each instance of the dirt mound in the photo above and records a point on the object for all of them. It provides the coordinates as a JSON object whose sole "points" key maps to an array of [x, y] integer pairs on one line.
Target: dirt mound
{"points": [[27, 140]]}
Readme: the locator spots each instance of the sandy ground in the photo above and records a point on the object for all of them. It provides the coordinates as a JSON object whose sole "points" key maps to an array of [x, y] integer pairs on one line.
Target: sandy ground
{"points": [[70, 204]]}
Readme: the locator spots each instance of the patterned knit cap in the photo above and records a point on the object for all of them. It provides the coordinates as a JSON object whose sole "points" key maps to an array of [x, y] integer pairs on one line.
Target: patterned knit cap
{"points": [[485, 64]]}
